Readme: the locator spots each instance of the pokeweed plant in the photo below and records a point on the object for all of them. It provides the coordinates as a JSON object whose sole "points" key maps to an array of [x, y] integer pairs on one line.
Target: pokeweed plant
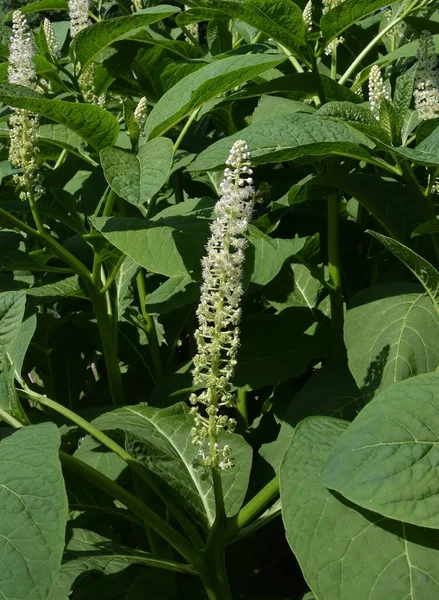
{"points": [[226, 375]]}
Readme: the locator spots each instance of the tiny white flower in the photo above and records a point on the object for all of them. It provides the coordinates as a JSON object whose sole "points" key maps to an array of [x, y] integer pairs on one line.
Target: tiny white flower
{"points": [[78, 14], [426, 92]]}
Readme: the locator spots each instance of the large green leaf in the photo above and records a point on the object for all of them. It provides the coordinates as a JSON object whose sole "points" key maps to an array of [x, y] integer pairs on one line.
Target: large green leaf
{"points": [[174, 293], [136, 178], [42, 5], [347, 553], [391, 333], [34, 512], [424, 271], [288, 137], [95, 125], [345, 14], [172, 247], [94, 39], [388, 459], [281, 20], [210, 81], [160, 440]]}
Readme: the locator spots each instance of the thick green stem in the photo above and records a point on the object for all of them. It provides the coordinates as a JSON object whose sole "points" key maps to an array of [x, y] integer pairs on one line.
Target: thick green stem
{"points": [[106, 441], [147, 515], [334, 62], [150, 330], [109, 344], [253, 508], [337, 314], [241, 406]]}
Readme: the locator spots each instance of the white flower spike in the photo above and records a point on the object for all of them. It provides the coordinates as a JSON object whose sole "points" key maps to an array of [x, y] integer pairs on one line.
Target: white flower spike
{"points": [[426, 92], [78, 13], [23, 124], [219, 309], [377, 91]]}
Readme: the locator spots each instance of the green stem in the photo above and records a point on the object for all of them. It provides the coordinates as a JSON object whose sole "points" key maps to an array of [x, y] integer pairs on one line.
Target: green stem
{"points": [[113, 274], [253, 508], [147, 515], [334, 62], [337, 315], [185, 129], [373, 42], [109, 344], [293, 60], [150, 330], [109, 203], [106, 441], [241, 406]]}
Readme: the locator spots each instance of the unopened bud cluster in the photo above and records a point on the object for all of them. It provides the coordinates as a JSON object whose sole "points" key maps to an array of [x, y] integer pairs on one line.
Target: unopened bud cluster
{"points": [[219, 310], [377, 91], [426, 92], [23, 124], [141, 112], [307, 15], [78, 14], [51, 42]]}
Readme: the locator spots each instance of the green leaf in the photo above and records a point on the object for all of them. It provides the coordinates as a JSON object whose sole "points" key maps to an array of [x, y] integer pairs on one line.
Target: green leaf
{"points": [[388, 460], [424, 271], [12, 305], [390, 335], [62, 137], [91, 41], [299, 86], [95, 125], [346, 552], [424, 154], [136, 178], [427, 227], [270, 106], [210, 81], [403, 95], [281, 20], [267, 255], [275, 348], [172, 247], [34, 513], [162, 444], [172, 294], [288, 137], [345, 14], [295, 286], [41, 5], [105, 557]]}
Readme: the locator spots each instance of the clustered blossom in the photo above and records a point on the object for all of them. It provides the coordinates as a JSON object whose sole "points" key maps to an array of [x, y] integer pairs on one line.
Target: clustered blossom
{"points": [[78, 14], [137, 4], [23, 124], [141, 112], [219, 310], [307, 15], [49, 34], [426, 92], [21, 69], [377, 91]]}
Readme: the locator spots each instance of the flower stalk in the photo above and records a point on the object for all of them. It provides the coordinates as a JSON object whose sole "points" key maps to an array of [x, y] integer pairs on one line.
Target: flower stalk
{"points": [[219, 311]]}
